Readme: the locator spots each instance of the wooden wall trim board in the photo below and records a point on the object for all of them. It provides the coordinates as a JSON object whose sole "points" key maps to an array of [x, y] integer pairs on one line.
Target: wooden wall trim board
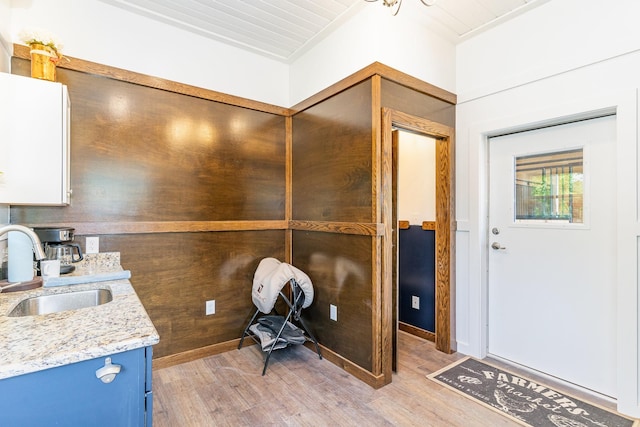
{"points": [[375, 381], [445, 238], [414, 83], [288, 203], [76, 64], [89, 228], [377, 352], [426, 225], [383, 259], [395, 233], [429, 225], [419, 124], [376, 149], [198, 353], [358, 228], [384, 71], [429, 336]]}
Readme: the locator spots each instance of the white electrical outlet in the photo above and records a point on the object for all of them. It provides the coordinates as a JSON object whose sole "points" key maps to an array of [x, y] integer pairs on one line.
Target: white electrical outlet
{"points": [[415, 302], [333, 312], [210, 307], [92, 245]]}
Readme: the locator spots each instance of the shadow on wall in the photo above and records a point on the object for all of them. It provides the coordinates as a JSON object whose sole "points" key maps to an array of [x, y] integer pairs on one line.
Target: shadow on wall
{"points": [[335, 270]]}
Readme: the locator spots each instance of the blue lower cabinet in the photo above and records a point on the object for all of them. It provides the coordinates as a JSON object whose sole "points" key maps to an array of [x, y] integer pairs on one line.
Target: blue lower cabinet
{"points": [[73, 395]]}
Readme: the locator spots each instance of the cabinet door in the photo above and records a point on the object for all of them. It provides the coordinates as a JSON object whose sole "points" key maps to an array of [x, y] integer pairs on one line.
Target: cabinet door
{"points": [[34, 141], [72, 395], [148, 397]]}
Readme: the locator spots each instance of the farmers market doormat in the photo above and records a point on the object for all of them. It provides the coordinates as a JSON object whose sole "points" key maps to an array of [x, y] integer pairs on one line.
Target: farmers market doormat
{"points": [[526, 401]]}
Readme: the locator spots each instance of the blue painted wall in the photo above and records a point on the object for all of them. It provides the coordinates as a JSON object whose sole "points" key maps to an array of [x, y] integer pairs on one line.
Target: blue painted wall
{"points": [[417, 276]]}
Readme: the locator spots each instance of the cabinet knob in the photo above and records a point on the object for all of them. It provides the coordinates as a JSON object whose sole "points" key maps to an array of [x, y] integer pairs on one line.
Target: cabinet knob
{"points": [[108, 372]]}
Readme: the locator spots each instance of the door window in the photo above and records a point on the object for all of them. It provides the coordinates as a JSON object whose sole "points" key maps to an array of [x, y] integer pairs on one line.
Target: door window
{"points": [[549, 188]]}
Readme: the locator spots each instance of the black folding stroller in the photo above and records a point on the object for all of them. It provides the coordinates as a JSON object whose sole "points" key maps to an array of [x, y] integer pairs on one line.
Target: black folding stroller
{"points": [[274, 331]]}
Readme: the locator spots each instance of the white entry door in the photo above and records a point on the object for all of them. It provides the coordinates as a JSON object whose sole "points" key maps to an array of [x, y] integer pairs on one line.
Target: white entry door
{"points": [[552, 228]]}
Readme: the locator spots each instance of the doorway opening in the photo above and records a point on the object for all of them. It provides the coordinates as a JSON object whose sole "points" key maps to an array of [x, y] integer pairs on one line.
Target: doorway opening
{"points": [[415, 207], [442, 225]]}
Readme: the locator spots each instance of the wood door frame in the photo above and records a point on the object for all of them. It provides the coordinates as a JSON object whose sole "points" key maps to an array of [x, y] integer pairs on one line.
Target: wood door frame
{"points": [[445, 229]]}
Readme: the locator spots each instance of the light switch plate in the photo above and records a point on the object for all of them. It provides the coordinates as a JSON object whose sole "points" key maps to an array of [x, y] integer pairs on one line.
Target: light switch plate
{"points": [[333, 312]]}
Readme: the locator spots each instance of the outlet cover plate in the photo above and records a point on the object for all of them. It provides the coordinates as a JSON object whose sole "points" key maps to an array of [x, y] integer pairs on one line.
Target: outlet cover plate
{"points": [[210, 307], [415, 302], [92, 245]]}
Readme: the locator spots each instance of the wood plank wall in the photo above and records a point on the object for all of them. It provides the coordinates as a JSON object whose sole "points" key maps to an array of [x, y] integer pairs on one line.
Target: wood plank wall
{"points": [[194, 187], [336, 192], [332, 164], [190, 191]]}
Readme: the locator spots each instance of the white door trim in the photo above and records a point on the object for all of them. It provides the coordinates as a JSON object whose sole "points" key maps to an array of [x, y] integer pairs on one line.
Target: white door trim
{"points": [[624, 104]]}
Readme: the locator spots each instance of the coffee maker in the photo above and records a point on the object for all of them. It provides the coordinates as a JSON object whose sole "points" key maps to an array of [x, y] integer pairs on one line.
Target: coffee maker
{"points": [[57, 243]]}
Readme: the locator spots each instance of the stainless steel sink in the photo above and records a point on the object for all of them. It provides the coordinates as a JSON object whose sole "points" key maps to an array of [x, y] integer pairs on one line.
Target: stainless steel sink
{"points": [[55, 303]]}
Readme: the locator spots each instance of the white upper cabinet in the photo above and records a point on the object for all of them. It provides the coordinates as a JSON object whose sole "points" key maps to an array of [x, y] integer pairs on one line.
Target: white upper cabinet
{"points": [[34, 141]]}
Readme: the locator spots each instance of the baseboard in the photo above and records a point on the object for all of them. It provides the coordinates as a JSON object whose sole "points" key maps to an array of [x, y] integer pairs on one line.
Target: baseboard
{"points": [[375, 381], [198, 353], [429, 336]]}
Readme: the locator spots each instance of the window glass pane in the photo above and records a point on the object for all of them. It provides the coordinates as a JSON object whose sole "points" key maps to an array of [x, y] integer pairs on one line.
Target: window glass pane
{"points": [[549, 187]]}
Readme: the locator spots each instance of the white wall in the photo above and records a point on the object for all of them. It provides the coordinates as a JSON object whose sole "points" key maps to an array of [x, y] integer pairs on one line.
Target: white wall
{"points": [[403, 42], [5, 47], [563, 59], [95, 31], [550, 39], [416, 178]]}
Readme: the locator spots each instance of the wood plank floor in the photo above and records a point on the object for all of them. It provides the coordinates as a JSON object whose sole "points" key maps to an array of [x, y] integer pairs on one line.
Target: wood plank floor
{"points": [[300, 390]]}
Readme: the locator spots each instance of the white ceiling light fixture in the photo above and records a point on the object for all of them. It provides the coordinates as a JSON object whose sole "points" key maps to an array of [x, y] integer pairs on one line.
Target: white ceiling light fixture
{"points": [[394, 5]]}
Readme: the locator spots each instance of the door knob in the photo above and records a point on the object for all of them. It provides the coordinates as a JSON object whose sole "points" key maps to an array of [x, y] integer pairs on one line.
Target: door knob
{"points": [[496, 246], [108, 372]]}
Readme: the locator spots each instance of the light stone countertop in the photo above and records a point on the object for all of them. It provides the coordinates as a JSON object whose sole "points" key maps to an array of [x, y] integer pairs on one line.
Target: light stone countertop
{"points": [[33, 343]]}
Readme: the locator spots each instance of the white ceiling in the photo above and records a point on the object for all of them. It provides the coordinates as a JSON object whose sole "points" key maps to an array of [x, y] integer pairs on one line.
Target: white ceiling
{"points": [[283, 29]]}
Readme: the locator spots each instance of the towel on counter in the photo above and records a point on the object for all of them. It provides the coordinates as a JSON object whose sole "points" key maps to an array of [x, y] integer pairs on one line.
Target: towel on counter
{"points": [[271, 276], [87, 278]]}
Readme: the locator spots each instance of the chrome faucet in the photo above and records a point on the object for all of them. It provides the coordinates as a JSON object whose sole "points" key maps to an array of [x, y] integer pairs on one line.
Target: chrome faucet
{"points": [[35, 241]]}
